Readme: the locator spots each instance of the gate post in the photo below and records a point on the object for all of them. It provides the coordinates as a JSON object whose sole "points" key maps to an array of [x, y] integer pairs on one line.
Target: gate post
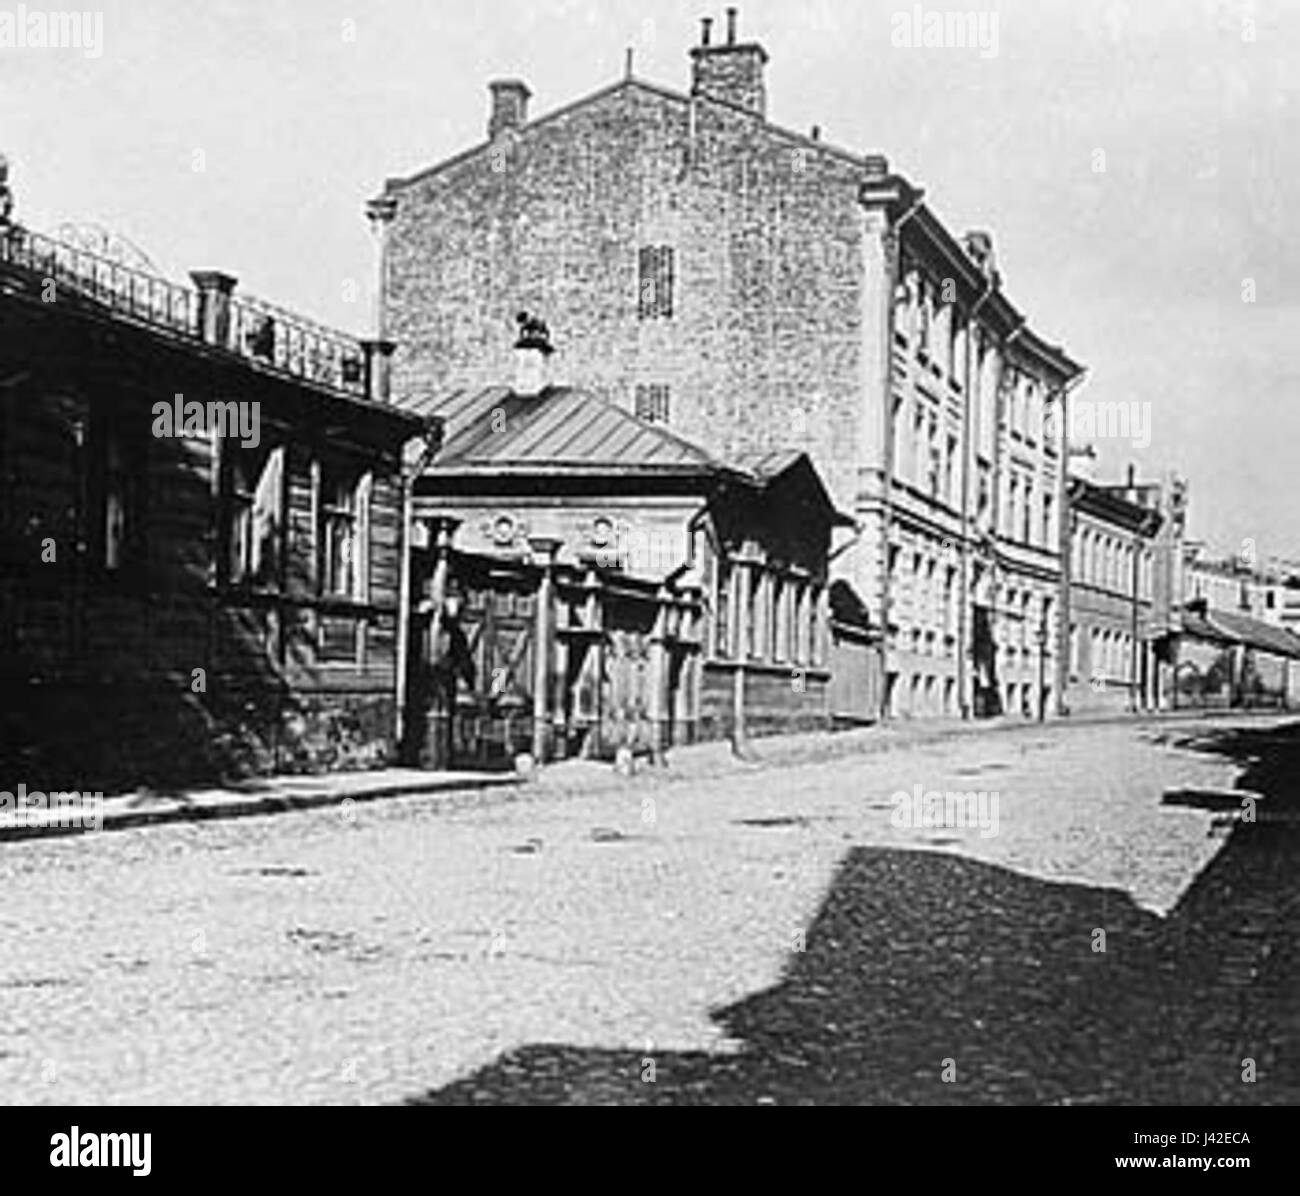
{"points": [[659, 676], [440, 728], [545, 548]]}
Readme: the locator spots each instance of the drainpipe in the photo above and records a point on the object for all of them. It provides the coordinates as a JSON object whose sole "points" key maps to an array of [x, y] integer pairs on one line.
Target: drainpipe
{"points": [[887, 398], [1066, 547], [969, 415]]}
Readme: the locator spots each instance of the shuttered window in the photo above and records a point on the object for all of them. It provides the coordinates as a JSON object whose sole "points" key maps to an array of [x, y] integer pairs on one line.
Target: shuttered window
{"points": [[655, 282]]}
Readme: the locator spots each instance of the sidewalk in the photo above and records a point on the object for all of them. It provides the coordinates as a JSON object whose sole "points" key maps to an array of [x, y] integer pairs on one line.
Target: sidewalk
{"points": [[699, 762], [270, 795], [715, 760]]}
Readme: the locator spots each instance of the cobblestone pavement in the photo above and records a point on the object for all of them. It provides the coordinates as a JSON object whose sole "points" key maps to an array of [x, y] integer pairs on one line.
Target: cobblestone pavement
{"points": [[762, 936]]}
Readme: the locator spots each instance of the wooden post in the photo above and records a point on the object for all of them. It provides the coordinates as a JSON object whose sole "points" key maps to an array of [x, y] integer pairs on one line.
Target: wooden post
{"points": [[545, 550], [740, 638], [440, 731], [659, 713]]}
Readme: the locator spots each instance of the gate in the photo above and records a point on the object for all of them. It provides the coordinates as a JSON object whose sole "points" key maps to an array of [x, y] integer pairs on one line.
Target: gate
{"points": [[473, 668]]}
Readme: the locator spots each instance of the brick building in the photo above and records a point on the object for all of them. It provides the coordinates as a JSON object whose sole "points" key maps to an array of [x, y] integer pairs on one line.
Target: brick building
{"points": [[760, 290], [183, 599]]}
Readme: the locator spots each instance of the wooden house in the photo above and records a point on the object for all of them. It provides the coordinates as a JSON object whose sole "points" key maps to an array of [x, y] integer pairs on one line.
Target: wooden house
{"points": [[201, 544], [586, 581]]}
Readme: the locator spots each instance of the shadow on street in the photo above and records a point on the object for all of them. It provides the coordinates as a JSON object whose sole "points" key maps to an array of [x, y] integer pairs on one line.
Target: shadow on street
{"points": [[919, 962]]}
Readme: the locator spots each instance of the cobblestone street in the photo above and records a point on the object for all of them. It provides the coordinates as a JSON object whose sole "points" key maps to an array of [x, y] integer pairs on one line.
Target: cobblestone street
{"points": [[764, 935]]}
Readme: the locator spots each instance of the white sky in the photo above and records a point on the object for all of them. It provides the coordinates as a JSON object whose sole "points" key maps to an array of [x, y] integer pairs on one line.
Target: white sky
{"points": [[1138, 271]]}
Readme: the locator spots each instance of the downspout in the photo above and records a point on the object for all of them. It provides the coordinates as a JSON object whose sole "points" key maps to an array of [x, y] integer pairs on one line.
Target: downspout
{"points": [[887, 398], [998, 394], [1066, 548], [969, 414]]}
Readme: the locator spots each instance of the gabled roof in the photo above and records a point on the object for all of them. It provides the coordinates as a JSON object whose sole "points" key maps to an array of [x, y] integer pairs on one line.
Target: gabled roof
{"points": [[630, 83], [565, 432], [562, 430], [1230, 627]]}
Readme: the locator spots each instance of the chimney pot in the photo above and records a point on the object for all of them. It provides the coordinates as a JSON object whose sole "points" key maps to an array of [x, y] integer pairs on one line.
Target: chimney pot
{"points": [[509, 105], [816, 132], [877, 166], [706, 28], [533, 351], [731, 73]]}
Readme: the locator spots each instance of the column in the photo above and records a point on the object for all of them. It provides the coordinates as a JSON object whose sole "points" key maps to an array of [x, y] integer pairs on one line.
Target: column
{"points": [[544, 550], [438, 694], [660, 715]]}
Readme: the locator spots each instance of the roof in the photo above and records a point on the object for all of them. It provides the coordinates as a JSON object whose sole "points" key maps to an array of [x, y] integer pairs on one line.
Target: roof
{"points": [[1112, 504], [923, 221], [1230, 627], [562, 430], [568, 432]]}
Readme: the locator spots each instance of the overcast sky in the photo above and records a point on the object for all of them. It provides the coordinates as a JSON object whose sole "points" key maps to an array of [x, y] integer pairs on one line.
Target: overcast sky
{"points": [[1138, 270]]}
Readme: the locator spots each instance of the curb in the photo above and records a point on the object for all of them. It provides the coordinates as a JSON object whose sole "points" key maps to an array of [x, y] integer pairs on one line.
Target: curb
{"points": [[127, 816]]}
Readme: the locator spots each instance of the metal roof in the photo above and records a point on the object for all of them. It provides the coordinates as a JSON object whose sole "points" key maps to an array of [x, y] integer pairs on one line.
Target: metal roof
{"points": [[496, 429], [1230, 627]]}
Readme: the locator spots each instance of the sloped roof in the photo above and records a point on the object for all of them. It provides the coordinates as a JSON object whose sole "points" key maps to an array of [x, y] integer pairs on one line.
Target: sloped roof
{"points": [[570, 432], [1230, 627], [562, 430]]}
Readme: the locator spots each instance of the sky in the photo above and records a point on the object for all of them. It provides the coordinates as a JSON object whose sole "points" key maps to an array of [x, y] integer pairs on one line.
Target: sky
{"points": [[1134, 161]]}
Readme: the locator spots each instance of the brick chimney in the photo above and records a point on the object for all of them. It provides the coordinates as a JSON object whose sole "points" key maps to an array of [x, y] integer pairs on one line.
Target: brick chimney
{"points": [[732, 71], [509, 105]]}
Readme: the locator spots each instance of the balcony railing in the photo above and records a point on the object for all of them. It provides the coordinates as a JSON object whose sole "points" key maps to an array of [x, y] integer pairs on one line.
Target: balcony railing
{"points": [[256, 330]]}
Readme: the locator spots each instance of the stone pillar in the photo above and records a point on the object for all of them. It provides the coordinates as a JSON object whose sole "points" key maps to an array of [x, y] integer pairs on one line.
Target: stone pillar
{"points": [[215, 290], [545, 550]]}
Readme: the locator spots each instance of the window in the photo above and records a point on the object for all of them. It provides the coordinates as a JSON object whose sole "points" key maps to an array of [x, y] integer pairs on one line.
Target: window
{"points": [[949, 464], [722, 609], [923, 317], [344, 501], [779, 624], [254, 529], [655, 286], [1026, 512], [932, 477], [1049, 511], [117, 515], [652, 403], [750, 614]]}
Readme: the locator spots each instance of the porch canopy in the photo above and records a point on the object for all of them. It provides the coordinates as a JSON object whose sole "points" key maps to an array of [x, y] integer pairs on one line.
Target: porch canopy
{"points": [[1231, 628]]}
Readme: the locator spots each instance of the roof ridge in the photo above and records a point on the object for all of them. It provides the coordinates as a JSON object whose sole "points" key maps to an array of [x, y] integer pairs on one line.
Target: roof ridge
{"points": [[393, 184]]}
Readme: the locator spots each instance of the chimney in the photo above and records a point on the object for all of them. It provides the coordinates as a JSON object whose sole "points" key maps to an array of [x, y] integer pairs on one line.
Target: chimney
{"points": [[509, 105], [213, 316], [732, 72], [533, 351], [979, 248]]}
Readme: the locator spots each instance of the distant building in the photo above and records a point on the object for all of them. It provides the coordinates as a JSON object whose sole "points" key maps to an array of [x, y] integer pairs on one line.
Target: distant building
{"points": [[1238, 645], [1119, 602], [760, 291]]}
